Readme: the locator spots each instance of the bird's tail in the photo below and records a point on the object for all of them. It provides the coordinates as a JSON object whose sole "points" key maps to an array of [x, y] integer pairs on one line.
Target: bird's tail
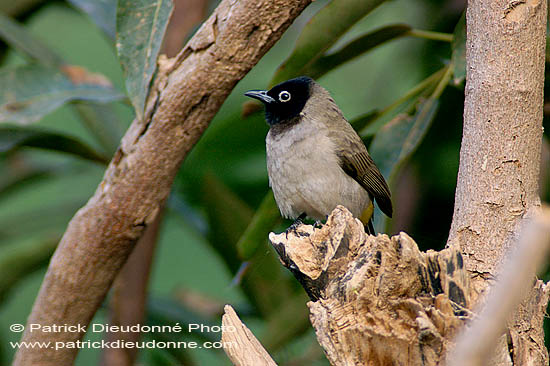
{"points": [[366, 219], [369, 228]]}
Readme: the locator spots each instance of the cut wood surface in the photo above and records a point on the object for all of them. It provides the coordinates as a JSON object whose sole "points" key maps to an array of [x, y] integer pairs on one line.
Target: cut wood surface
{"points": [[240, 345]]}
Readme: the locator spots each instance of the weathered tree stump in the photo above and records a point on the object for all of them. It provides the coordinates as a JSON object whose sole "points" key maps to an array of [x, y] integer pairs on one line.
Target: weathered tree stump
{"points": [[376, 300]]}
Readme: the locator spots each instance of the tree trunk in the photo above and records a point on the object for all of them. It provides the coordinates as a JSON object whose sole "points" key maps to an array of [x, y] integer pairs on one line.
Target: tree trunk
{"points": [[500, 155]]}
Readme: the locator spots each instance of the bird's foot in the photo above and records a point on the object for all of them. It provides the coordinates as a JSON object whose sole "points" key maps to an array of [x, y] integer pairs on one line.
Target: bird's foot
{"points": [[292, 228]]}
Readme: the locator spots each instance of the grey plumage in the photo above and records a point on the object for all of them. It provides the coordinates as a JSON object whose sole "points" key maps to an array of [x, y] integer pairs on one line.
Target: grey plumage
{"points": [[315, 160]]}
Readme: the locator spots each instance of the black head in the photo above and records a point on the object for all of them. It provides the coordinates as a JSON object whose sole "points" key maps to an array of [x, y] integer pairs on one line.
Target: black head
{"points": [[285, 100]]}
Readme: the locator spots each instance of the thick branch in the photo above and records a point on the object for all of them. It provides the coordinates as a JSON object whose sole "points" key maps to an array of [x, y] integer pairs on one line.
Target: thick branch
{"points": [[129, 297], [188, 92], [500, 154]]}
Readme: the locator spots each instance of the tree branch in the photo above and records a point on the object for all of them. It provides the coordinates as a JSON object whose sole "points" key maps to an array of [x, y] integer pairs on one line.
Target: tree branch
{"points": [[129, 297], [187, 93]]}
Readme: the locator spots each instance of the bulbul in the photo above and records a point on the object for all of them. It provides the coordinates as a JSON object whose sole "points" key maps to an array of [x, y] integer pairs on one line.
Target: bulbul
{"points": [[315, 159]]}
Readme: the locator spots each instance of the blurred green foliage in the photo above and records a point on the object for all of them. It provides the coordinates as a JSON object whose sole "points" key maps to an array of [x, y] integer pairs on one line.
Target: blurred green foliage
{"points": [[391, 66]]}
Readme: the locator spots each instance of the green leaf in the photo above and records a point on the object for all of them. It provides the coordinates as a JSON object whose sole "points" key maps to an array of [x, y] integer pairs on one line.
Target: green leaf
{"points": [[361, 122], [228, 216], [29, 92], [140, 26], [288, 323], [321, 33], [102, 12], [264, 280], [368, 124], [458, 58], [19, 38], [264, 220], [163, 311], [14, 137], [355, 48], [21, 259], [396, 141], [399, 138], [11, 182], [102, 121]]}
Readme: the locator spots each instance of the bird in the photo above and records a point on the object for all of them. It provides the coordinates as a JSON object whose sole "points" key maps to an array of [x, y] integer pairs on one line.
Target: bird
{"points": [[315, 159]]}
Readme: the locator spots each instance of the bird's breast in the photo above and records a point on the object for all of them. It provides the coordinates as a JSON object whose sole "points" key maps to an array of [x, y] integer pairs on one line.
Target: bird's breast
{"points": [[305, 174]]}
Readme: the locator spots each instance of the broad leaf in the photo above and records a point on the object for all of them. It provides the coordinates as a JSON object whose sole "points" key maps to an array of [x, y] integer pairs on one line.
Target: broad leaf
{"points": [[102, 122], [140, 26], [29, 92], [361, 122], [265, 282], [102, 12], [228, 216], [264, 220], [18, 261], [19, 38], [355, 48], [11, 182], [161, 311], [399, 138], [458, 59], [396, 141], [14, 137], [321, 33]]}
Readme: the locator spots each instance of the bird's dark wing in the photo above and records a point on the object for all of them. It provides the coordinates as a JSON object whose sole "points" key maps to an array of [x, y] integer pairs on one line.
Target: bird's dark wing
{"points": [[362, 168]]}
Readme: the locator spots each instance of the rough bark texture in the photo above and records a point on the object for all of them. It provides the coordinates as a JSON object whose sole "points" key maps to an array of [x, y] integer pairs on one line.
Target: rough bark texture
{"points": [[499, 159], [188, 92], [376, 300], [240, 345], [129, 297], [129, 291]]}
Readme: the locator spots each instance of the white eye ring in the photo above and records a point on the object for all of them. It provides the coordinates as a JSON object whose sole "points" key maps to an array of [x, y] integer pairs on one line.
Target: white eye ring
{"points": [[284, 96]]}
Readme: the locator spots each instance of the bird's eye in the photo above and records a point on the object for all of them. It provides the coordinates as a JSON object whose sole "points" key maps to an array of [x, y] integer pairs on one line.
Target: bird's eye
{"points": [[284, 96]]}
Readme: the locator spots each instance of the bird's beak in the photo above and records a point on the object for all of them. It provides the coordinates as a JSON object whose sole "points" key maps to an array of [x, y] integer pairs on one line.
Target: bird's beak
{"points": [[261, 95]]}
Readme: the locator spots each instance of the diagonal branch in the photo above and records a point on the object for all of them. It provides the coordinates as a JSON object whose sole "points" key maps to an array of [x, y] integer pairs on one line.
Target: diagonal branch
{"points": [[476, 343], [239, 343], [187, 93]]}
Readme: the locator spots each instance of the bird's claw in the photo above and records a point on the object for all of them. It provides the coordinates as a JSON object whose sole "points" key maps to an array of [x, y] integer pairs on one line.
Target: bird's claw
{"points": [[292, 228]]}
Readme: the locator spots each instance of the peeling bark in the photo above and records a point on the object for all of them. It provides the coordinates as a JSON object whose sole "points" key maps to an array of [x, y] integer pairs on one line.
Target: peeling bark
{"points": [[376, 300]]}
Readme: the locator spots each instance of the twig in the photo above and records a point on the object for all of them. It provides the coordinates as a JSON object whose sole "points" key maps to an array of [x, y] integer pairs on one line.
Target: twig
{"points": [[239, 343], [476, 343], [188, 92]]}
